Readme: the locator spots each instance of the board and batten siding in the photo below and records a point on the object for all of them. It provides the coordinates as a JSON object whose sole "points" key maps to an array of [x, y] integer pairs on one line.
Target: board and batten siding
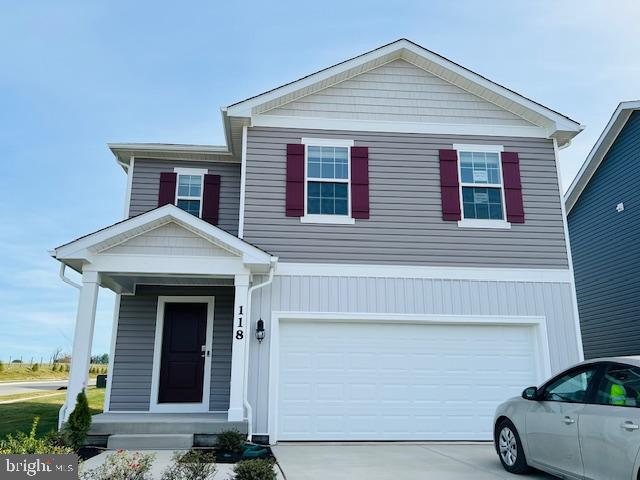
{"points": [[405, 225], [146, 184], [408, 296], [133, 359], [605, 246], [402, 92]]}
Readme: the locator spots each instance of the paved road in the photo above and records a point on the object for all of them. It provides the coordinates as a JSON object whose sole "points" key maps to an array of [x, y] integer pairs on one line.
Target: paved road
{"points": [[35, 387]]}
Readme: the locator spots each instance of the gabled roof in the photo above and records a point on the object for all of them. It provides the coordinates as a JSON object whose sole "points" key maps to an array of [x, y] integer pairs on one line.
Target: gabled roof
{"points": [[558, 125], [599, 150], [81, 249]]}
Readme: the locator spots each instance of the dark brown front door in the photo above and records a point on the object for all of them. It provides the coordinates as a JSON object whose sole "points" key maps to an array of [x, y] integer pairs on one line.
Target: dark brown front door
{"points": [[182, 364]]}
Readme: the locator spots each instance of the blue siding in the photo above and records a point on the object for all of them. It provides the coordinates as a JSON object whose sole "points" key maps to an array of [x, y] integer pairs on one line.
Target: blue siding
{"points": [[606, 250]]}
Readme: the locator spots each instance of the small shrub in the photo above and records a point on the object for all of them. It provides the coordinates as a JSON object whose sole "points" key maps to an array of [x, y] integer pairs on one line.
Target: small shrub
{"points": [[193, 465], [25, 444], [122, 465], [254, 470], [35, 367], [67, 368], [1, 366], [76, 428], [231, 441]]}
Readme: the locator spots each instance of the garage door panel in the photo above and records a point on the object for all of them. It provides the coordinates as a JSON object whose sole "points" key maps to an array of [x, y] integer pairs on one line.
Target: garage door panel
{"points": [[377, 381]]}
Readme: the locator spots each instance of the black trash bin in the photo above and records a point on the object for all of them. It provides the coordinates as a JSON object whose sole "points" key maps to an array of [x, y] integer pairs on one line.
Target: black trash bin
{"points": [[101, 381]]}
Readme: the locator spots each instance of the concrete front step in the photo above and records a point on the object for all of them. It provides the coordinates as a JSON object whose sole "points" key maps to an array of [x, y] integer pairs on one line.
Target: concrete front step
{"points": [[162, 423], [150, 441]]}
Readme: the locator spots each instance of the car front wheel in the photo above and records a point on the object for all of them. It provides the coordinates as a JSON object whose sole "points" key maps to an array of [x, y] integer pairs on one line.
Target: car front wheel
{"points": [[509, 448]]}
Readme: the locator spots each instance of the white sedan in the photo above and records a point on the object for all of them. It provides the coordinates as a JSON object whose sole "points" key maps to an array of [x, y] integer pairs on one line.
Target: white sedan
{"points": [[582, 424]]}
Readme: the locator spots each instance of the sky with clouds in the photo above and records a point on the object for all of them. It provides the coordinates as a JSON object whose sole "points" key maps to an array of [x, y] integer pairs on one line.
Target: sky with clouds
{"points": [[78, 74]]}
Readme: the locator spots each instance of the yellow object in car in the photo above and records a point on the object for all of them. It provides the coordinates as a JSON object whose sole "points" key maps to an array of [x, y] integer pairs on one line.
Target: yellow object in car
{"points": [[618, 394]]}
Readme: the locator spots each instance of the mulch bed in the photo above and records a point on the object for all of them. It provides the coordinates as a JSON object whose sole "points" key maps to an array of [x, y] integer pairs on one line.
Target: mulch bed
{"points": [[224, 457], [85, 453]]}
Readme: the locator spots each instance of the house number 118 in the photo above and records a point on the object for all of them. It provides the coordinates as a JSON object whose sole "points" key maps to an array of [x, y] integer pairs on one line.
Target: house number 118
{"points": [[240, 332]]}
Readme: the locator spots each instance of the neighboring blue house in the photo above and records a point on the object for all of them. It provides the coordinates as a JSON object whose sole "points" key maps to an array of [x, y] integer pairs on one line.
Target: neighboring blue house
{"points": [[603, 209]]}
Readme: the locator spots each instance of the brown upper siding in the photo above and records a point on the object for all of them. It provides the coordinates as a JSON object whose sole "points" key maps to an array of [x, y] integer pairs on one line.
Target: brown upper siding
{"points": [[406, 226]]}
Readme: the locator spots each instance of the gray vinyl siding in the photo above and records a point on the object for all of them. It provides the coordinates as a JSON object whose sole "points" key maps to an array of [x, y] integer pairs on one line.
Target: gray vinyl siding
{"points": [[405, 225], [133, 360], [605, 246], [409, 296], [401, 92], [146, 184]]}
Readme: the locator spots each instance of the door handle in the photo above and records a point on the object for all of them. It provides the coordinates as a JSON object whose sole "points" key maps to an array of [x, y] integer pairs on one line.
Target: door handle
{"points": [[568, 420], [630, 426]]}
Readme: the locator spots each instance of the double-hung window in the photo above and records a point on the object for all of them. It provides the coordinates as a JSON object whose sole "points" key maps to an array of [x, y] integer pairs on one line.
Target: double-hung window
{"points": [[481, 186], [189, 189], [327, 181]]}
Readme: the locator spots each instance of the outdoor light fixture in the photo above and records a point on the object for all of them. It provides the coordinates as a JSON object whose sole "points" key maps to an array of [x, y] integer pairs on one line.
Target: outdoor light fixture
{"points": [[260, 331]]}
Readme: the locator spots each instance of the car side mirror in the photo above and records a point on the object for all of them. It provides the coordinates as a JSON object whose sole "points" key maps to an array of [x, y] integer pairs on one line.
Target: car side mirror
{"points": [[530, 393]]}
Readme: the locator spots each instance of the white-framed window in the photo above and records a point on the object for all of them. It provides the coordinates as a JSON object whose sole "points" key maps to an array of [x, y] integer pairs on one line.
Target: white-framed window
{"points": [[189, 186], [481, 186], [327, 184]]}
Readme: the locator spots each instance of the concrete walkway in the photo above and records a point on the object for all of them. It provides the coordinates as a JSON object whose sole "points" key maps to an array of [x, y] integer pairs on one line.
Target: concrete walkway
{"points": [[393, 461]]}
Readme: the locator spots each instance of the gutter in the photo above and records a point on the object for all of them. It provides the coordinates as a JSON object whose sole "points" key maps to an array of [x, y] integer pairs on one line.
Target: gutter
{"points": [[247, 406]]}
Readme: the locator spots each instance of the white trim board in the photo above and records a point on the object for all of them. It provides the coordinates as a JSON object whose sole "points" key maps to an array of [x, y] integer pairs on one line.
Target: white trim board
{"points": [[319, 123], [567, 241], [112, 352], [538, 322], [414, 271], [154, 406]]}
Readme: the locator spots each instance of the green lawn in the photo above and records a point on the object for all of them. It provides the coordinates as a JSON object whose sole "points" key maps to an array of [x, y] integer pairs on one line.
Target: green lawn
{"points": [[34, 393], [18, 416], [19, 372]]}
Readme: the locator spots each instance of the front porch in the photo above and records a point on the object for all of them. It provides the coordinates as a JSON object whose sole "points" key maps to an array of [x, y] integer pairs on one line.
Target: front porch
{"points": [[147, 429], [178, 361]]}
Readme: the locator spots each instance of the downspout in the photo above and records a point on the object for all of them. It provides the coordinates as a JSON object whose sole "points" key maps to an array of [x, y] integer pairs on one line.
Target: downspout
{"points": [[247, 406], [67, 280]]}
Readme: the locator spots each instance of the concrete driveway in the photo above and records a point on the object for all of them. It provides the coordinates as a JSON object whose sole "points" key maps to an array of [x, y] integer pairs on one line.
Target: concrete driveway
{"points": [[393, 461]]}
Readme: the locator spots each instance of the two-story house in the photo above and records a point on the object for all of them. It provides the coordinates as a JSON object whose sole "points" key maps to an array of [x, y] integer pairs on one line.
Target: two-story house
{"points": [[604, 225], [378, 253]]}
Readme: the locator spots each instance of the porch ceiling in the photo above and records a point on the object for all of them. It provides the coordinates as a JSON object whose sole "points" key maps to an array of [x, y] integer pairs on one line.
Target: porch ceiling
{"points": [[128, 283]]}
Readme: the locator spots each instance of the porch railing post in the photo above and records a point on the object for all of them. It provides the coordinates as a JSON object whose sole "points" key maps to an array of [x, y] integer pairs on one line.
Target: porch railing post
{"points": [[240, 333], [82, 341]]}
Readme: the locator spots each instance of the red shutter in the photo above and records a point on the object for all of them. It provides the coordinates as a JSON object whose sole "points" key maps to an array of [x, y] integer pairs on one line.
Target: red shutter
{"points": [[512, 187], [211, 199], [449, 185], [360, 182], [295, 180], [167, 192]]}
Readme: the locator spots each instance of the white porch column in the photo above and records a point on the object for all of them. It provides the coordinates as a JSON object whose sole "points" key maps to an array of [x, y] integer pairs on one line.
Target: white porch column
{"points": [[82, 340], [240, 334]]}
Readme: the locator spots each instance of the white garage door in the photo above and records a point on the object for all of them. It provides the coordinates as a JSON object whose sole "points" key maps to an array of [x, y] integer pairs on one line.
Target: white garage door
{"points": [[381, 381]]}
